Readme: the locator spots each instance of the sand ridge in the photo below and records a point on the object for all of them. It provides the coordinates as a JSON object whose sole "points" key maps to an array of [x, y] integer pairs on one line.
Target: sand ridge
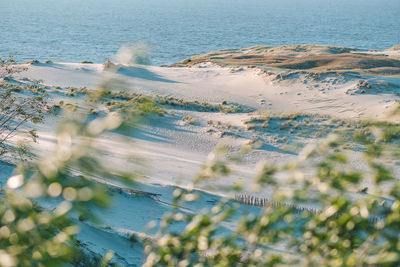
{"points": [[316, 58]]}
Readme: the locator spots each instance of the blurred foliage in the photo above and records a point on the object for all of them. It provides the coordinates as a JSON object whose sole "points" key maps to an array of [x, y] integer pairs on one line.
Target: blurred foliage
{"points": [[70, 175], [30, 234], [343, 233]]}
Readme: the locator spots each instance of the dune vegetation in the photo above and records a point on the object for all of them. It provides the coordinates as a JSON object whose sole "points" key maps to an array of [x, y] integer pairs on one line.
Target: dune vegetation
{"points": [[314, 58]]}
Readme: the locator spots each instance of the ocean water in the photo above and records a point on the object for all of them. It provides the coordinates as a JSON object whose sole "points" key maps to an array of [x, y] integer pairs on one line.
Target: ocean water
{"points": [[77, 30]]}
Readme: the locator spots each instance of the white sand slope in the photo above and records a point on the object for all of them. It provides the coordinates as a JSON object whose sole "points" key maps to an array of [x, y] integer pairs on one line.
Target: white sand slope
{"points": [[336, 95], [175, 150]]}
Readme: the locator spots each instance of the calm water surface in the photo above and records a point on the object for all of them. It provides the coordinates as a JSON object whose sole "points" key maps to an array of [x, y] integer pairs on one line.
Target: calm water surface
{"points": [[76, 30]]}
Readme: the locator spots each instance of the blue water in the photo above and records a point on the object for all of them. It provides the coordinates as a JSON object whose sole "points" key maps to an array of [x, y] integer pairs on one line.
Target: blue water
{"points": [[76, 30]]}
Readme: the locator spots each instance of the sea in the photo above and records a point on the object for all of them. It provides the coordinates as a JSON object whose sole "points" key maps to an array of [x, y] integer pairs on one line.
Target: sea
{"points": [[94, 30]]}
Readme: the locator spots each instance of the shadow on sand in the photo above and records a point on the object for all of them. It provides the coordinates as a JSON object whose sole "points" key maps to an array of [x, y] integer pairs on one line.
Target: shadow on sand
{"points": [[142, 73]]}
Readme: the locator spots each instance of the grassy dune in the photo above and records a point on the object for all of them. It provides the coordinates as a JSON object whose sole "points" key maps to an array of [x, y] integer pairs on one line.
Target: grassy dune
{"points": [[316, 58]]}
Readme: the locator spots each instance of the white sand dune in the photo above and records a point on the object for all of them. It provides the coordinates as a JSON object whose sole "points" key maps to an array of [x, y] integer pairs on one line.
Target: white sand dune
{"points": [[175, 151], [330, 94]]}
